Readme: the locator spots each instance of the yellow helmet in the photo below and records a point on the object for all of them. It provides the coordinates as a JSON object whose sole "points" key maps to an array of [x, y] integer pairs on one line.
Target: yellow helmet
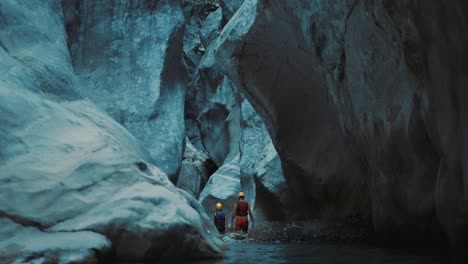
{"points": [[241, 194], [219, 206]]}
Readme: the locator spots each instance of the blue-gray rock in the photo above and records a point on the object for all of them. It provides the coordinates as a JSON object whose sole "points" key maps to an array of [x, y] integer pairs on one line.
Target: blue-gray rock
{"points": [[356, 97], [230, 7], [224, 186], [211, 27], [220, 124], [259, 159], [69, 171], [195, 170], [128, 56]]}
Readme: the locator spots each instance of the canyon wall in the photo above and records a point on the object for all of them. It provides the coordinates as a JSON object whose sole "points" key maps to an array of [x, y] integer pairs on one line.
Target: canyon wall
{"points": [[363, 100]]}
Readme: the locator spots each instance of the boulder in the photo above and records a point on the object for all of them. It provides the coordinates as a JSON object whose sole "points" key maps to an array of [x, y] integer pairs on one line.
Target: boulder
{"points": [[137, 76], [150, 222], [78, 170]]}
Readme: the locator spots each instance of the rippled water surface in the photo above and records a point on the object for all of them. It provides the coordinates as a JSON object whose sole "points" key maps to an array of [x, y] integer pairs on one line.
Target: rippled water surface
{"points": [[323, 253]]}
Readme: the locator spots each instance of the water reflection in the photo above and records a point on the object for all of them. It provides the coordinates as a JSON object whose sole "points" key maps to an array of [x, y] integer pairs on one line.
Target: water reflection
{"points": [[244, 252]]}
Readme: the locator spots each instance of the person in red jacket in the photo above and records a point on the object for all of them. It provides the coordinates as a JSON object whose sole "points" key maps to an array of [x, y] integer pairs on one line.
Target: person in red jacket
{"points": [[240, 212]]}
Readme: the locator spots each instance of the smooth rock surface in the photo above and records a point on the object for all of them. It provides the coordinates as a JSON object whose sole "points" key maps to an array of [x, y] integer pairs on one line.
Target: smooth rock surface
{"points": [[355, 95], [128, 56], [224, 185], [77, 169], [220, 124], [33, 49], [30, 245], [218, 121], [260, 160], [363, 100], [67, 167], [286, 88]]}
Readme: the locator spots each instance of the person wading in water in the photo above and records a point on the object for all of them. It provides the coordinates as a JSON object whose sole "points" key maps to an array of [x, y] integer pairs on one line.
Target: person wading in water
{"points": [[219, 218], [240, 212]]}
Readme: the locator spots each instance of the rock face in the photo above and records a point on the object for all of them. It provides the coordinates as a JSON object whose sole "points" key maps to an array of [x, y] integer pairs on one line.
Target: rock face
{"points": [[69, 171], [93, 176], [211, 27], [128, 57], [21, 244], [230, 7], [220, 124], [196, 12], [33, 49], [224, 185], [195, 170], [219, 120], [363, 102], [441, 65], [301, 120], [260, 160]]}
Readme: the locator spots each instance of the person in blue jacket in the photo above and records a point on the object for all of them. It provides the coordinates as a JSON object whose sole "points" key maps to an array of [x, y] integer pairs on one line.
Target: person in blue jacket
{"points": [[219, 218]]}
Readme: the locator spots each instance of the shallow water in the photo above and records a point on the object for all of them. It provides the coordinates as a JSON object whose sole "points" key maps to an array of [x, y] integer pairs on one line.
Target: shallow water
{"points": [[323, 253]]}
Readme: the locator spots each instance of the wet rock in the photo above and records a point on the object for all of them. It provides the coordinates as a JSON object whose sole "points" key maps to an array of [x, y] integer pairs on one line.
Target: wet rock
{"points": [[137, 76]]}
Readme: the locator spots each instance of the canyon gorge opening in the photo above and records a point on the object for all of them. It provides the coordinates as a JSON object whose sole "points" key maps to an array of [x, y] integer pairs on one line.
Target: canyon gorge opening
{"points": [[122, 124]]}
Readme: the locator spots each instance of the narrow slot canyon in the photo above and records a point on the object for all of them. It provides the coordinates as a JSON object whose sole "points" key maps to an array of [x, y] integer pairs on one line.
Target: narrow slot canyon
{"points": [[124, 123]]}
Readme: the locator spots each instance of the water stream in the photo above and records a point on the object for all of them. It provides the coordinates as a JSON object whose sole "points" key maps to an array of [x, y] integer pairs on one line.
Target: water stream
{"points": [[318, 252]]}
